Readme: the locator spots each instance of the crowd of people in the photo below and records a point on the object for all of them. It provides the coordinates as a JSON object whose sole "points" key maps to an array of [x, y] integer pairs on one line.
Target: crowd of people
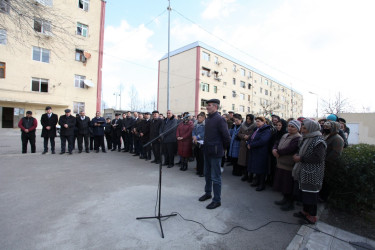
{"points": [[289, 155]]}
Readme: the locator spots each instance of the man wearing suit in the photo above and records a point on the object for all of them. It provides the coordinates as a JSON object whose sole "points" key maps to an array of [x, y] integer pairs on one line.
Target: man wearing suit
{"points": [[98, 124], [128, 124], [67, 123], [83, 124], [116, 133], [49, 121], [154, 132], [137, 143]]}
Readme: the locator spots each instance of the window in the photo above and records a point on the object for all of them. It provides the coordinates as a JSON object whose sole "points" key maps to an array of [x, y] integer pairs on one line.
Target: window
{"points": [[234, 68], [243, 84], [2, 70], [206, 72], [234, 94], [45, 2], [4, 6], [233, 107], [243, 72], [248, 109], [224, 97], [249, 86], [84, 4], [205, 87], [39, 85], [82, 29], [248, 98], [3, 36], [234, 81], [224, 83], [248, 74], [78, 107], [242, 96], [80, 56], [78, 81], [42, 26], [216, 60], [40, 54], [215, 89], [206, 56], [266, 92], [270, 93], [225, 69], [266, 81], [261, 90], [242, 108]]}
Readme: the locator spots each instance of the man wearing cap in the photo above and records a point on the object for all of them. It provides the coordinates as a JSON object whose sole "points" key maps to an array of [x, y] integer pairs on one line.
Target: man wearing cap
{"points": [[28, 125], [216, 139], [128, 124], [169, 140], [116, 132], [67, 123], [49, 121], [98, 124], [154, 132], [83, 125], [136, 139]]}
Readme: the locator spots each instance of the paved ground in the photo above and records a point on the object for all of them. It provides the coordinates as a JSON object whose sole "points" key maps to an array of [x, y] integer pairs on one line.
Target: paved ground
{"points": [[90, 201]]}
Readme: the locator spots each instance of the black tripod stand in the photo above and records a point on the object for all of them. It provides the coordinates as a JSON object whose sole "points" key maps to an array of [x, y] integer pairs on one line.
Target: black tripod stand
{"points": [[159, 216]]}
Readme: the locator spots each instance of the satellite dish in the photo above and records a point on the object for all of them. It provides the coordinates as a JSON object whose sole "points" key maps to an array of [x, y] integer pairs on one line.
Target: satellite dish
{"points": [[88, 83]]}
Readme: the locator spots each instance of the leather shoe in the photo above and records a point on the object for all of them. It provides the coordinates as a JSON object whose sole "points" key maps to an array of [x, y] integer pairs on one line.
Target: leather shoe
{"points": [[213, 205], [113, 149], [80, 151], [260, 188], [44, 152], [87, 151], [170, 166], [153, 161], [205, 197], [62, 153], [53, 152]]}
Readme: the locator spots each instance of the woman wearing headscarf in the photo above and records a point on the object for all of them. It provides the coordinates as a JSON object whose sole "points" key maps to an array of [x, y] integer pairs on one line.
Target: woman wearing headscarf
{"points": [[258, 155], [309, 169], [283, 151], [246, 131], [335, 146], [281, 129], [198, 137], [234, 148], [185, 141]]}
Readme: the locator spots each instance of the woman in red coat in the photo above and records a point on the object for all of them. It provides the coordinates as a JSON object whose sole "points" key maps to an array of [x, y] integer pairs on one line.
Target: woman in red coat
{"points": [[185, 141]]}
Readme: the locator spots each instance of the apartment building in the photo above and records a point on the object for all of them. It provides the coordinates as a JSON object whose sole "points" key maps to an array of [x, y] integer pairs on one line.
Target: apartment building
{"points": [[199, 72], [51, 53]]}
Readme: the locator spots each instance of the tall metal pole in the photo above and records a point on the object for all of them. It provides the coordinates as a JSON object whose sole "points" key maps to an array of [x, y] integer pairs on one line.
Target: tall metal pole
{"points": [[317, 103], [169, 30]]}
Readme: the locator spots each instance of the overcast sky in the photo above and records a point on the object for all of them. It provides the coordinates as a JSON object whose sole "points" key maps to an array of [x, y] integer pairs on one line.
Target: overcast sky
{"points": [[319, 46]]}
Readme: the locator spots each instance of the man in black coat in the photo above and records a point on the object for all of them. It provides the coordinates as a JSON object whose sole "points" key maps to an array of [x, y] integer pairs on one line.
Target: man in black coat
{"points": [[144, 133], [49, 121], [116, 132], [98, 124], [67, 123], [108, 132], [83, 125], [169, 140], [154, 132], [136, 138], [128, 124]]}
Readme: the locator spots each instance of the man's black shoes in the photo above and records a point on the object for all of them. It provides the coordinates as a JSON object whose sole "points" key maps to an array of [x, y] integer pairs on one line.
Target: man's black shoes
{"points": [[44, 152], [205, 197], [213, 205]]}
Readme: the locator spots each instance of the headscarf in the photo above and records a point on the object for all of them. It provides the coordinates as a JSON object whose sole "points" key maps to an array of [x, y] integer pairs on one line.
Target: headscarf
{"points": [[282, 131]]}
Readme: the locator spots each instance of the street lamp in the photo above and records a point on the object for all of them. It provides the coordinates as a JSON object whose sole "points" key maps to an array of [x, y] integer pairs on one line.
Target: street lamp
{"points": [[117, 94], [317, 103]]}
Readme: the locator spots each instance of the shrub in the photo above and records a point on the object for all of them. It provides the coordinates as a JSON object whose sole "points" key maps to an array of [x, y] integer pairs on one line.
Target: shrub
{"points": [[352, 179]]}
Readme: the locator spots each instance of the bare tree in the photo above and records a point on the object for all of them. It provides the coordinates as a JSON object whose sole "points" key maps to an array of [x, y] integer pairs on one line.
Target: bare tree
{"points": [[269, 107], [134, 100], [336, 105], [38, 19]]}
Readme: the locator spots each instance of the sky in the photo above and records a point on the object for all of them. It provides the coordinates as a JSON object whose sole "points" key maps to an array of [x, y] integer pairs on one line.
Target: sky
{"points": [[315, 46]]}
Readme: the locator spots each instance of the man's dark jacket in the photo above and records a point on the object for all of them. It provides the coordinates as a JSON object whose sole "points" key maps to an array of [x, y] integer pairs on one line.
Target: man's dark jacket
{"points": [[52, 122], [83, 125], [71, 121], [216, 135]]}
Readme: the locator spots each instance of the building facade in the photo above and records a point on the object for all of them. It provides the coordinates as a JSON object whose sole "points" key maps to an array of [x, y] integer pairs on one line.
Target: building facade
{"points": [[51, 56], [199, 72]]}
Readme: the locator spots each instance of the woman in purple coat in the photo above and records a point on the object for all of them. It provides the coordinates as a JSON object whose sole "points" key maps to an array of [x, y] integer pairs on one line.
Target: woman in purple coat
{"points": [[258, 155]]}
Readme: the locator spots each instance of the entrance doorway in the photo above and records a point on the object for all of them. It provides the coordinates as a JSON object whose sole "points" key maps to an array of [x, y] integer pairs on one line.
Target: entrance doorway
{"points": [[7, 117]]}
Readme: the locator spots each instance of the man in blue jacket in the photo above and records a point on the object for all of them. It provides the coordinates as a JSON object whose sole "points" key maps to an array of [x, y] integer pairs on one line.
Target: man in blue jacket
{"points": [[216, 139]]}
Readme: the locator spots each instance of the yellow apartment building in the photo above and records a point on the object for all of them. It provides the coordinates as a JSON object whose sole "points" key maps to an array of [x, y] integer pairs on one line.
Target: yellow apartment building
{"points": [[51, 53], [199, 72]]}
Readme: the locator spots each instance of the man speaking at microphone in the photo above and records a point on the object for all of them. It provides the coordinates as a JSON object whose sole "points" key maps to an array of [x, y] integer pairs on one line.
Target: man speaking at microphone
{"points": [[216, 138]]}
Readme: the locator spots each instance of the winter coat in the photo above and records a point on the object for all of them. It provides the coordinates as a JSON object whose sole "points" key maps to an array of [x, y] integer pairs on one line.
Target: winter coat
{"points": [[286, 147], [51, 122], [185, 145], [166, 126], [243, 153], [98, 130], [235, 142], [144, 128], [216, 136], [258, 154], [116, 130], [198, 130], [83, 125], [155, 128], [71, 121]]}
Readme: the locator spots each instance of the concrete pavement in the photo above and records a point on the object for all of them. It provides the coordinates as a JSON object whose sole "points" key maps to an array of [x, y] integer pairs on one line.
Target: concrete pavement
{"points": [[90, 201]]}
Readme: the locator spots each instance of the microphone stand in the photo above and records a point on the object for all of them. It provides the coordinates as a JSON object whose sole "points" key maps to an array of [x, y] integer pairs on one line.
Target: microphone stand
{"points": [[159, 216]]}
